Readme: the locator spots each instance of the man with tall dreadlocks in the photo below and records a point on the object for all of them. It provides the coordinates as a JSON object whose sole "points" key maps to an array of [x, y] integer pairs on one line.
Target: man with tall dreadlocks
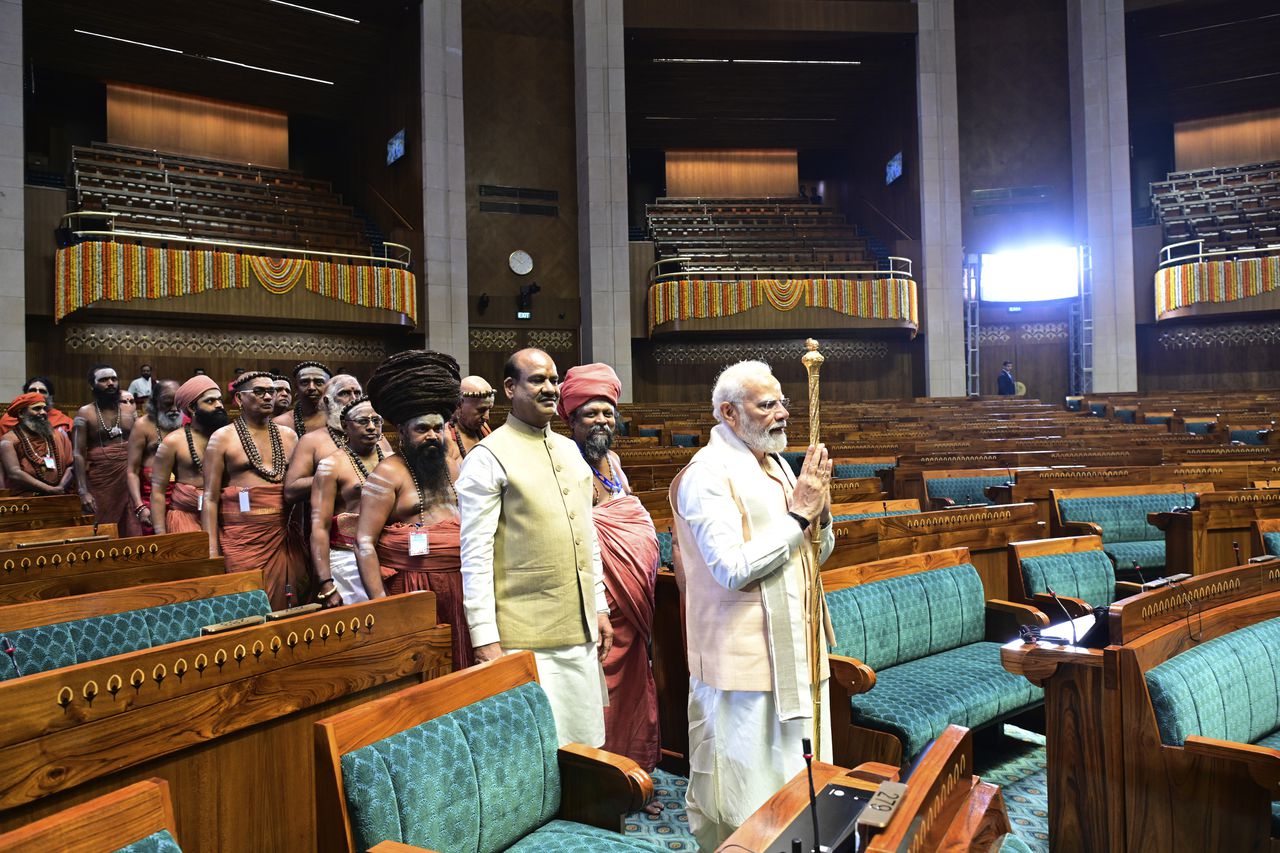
{"points": [[244, 510], [99, 442], [470, 421], [180, 458], [36, 457], [309, 377], [407, 534], [335, 503], [530, 558], [162, 418]]}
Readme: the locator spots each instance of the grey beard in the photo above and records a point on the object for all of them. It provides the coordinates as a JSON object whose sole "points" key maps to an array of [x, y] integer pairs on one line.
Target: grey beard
{"points": [[597, 445], [168, 421], [39, 426], [761, 441]]}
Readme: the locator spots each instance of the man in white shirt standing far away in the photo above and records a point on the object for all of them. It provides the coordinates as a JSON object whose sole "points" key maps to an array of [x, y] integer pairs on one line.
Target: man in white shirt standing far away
{"points": [[140, 388], [742, 522], [531, 571]]}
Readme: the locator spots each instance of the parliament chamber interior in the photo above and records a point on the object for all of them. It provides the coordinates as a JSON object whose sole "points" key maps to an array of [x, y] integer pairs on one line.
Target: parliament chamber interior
{"points": [[298, 293]]}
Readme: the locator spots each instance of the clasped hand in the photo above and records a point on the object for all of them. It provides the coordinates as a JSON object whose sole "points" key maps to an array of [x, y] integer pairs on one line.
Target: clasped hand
{"points": [[812, 494]]}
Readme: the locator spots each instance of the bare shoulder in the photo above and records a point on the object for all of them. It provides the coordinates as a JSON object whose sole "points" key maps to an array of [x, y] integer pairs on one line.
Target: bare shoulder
{"points": [[175, 439], [223, 437], [84, 411], [10, 437], [285, 421]]}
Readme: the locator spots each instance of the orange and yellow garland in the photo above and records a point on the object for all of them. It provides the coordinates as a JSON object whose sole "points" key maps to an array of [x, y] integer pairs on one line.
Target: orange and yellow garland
{"points": [[1214, 281], [875, 299], [94, 271]]}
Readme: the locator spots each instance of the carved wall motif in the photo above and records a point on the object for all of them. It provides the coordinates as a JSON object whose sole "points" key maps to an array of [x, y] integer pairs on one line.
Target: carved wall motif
{"points": [[1219, 335], [493, 340], [772, 352], [1042, 332], [995, 334], [552, 339], [158, 341]]}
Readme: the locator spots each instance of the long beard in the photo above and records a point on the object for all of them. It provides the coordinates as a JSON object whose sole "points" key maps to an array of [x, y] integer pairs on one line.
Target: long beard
{"points": [[333, 415], [168, 421], [429, 465], [210, 421], [599, 441], [39, 426], [761, 440], [103, 397]]}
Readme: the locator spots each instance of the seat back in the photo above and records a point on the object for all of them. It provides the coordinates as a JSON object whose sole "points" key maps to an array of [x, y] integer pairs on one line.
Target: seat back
{"points": [[965, 489], [1086, 575], [899, 619], [1123, 518], [136, 819], [1224, 688]]}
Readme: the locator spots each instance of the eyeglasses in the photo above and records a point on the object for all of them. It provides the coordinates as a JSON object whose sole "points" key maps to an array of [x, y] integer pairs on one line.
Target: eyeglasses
{"points": [[771, 405], [260, 393], [372, 420]]}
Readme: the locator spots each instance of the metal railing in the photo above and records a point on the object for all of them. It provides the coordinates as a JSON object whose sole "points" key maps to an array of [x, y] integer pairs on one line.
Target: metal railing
{"points": [[898, 268], [1168, 256], [112, 233]]}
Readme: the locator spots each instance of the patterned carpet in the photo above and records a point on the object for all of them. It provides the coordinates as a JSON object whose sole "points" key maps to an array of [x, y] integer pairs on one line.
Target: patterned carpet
{"points": [[670, 828], [1016, 762]]}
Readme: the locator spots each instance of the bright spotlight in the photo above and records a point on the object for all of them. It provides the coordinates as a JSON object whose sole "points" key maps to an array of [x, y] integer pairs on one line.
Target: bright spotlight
{"points": [[1031, 274]]}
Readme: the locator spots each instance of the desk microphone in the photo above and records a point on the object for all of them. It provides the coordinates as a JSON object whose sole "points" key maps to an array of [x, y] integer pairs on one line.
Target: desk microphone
{"points": [[288, 596], [11, 650], [885, 504], [1070, 621], [1235, 546], [807, 746], [1141, 578]]}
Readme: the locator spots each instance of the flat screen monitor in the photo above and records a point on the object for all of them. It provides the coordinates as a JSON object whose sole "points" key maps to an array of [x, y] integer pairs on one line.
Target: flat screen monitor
{"points": [[1031, 274], [893, 169], [395, 147]]}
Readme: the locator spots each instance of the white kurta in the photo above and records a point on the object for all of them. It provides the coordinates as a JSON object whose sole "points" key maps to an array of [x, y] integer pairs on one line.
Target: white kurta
{"points": [[740, 751], [346, 576], [571, 676]]}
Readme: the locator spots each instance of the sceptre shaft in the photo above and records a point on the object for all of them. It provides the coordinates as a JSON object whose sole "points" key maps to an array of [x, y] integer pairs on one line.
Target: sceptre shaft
{"points": [[812, 361]]}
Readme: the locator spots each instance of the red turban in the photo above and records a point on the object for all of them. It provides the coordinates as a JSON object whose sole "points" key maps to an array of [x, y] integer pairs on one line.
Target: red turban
{"points": [[192, 390], [587, 382], [21, 402]]}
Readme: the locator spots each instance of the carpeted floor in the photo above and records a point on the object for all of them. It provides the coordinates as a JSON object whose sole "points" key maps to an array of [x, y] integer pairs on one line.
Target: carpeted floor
{"points": [[1016, 762], [670, 828]]}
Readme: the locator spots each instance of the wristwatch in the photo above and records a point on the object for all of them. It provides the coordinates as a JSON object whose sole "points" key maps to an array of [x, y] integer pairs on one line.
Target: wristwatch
{"points": [[801, 520]]}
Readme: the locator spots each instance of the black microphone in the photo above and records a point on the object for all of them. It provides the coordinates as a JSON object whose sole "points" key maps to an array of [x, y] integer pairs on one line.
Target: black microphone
{"points": [[807, 745], [886, 508], [1074, 640], [1138, 569], [1235, 546], [11, 650]]}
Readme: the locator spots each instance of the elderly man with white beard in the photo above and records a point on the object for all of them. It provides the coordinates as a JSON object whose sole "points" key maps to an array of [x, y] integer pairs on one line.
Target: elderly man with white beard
{"points": [[36, 457], [149, 430], [741, 521], [319, 444]]}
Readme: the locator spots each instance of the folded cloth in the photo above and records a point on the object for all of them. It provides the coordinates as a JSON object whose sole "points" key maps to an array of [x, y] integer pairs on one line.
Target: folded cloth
{"points": [[346, 576], [144, 489], [110, 488], [439, 570], [182, 509], [342, 531], [258, 539]]}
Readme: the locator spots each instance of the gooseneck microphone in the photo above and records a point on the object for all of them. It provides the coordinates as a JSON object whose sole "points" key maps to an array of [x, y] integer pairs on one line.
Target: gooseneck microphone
{"points": [[1141, 578], [1074, 640], [807, 745], [11, 650], [1235, 546]]}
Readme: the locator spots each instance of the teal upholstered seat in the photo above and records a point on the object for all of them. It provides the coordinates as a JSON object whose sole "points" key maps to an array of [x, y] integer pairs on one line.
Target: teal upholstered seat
{"points": [[1199, 427], [1073, 405], [854, 516], [1126, 535], [963, 490], [1148, 555], [1126, 416], [1087, 575], [1098, 409], [1247, 436], [684, 441], [923, 635], [665, 555], [1156, 419], [157, 842], [794, 458], [1271, 543], [851, 470], [62, 644], [484, 777], [650, 432], [1013, 844]]}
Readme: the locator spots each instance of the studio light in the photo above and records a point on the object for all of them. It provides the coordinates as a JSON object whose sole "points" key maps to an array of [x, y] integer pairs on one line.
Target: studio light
{"points": [[1031, 274]]}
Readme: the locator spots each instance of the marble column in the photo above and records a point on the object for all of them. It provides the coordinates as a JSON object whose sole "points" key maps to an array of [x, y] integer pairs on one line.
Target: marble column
{"points": [[13, 311], [1100, 167], [942, 275], [444, 181], [604, 275]]}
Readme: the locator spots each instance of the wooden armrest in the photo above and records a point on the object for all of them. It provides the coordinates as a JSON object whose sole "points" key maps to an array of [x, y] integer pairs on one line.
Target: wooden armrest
{"points": [[1005, 617], [852, 675], [1263, 762], [600, 788], [1081, 528], [397, 847], [1076, 607], [1124, 589], [875, 771]]}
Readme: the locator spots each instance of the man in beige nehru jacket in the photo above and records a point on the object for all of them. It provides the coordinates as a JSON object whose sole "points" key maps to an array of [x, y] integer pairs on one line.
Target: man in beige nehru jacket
{"points": [[531, 571]]}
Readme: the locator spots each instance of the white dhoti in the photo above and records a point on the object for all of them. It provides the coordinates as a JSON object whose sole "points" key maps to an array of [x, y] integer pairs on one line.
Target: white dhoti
{"points": [[740, 755], [573, 680], [346, 576]]}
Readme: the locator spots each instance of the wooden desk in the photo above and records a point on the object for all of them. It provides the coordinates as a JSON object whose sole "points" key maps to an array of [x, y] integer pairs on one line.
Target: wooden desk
{"points": [[1200, 541], [761, 831]]}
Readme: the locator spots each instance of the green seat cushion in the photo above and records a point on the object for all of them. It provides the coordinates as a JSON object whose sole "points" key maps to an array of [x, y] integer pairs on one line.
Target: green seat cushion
{"points": [[1013, 844], [665, 553], [794, 458], [1271, 543], [1087, 575], [1272, 741], [1247, 436], [1199, 427], [478, 778], [856, 516], [649, 432], [1148, 555], [111, 634], [967, 686], [1073, 405], [1156, 419], [1098, 409], [38, 649], [1123, 518], [850, 470], [900, 619], [684, 441], [1227, 688], [565, 836], [1126, 416], [963, 490], [156, 842]]}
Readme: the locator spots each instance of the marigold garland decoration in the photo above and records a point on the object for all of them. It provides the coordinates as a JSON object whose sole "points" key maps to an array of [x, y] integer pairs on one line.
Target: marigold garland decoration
{"points": [[118, 272], [873, 299], [1214, 281]]}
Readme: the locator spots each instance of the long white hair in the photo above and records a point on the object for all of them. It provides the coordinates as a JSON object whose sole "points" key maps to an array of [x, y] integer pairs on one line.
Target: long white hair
{"points": [[731, 384]]}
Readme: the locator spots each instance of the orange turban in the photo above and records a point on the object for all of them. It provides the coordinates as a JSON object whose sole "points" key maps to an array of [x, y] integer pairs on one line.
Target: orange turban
{"points": [[21, 402], [587, 382], [191, 390]]}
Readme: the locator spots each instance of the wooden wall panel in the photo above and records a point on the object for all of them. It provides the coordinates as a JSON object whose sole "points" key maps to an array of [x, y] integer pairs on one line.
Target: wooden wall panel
{"points": [[1230, 355], [185, 124], [1035, 339], [1252, 137], [732, 174], [43, 209]]}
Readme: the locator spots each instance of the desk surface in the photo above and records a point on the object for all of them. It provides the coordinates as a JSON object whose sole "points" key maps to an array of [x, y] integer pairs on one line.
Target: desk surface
{"points": [[762, 828]]}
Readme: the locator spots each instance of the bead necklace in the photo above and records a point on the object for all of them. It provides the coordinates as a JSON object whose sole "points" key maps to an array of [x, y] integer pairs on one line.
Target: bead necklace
{"points": [[614, 486], [356, 462], [37, 461], [457, 440], [299, 422], [276, 473], [422, 502], [339, 437], [114, 430], [191, 446]]}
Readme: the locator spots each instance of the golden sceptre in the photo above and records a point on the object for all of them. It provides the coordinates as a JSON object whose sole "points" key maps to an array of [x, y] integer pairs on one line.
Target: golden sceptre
{"points": [[812, 361]]}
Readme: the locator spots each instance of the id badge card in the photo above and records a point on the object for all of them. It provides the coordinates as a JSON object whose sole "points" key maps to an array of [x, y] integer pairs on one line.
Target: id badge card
{"points": [[200, 502], [244, 500], [50, 463], [419, 545]]}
